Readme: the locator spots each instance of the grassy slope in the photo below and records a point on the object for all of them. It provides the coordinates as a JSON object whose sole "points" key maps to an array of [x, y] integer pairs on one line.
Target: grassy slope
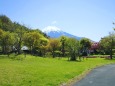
{"points": [[34, 71]]}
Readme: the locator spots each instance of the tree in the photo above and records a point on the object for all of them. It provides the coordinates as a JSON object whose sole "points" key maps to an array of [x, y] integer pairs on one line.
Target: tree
{"points": [[112, 43], [53, 45], [32, 40], [1, 34], [39, 31], [85, 45], [7, 41], [5, 23], [95, 46], [19, 36], [43, 46], [73, 48], [63, 40], [107, 44]]}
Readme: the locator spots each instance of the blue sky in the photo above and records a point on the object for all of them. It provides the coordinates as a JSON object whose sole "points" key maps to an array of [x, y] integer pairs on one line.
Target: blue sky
{"points": [[85, 18]]}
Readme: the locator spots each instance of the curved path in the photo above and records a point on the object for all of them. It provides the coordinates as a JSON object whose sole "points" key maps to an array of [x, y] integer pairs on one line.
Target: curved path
{"points": [[102, 76]]}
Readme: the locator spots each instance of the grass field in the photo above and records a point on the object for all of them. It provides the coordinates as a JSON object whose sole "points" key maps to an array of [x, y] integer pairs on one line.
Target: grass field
{"points": [[37, 71]]}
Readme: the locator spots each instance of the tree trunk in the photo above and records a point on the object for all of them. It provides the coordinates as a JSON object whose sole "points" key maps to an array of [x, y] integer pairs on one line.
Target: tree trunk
{"points": [[53, 53], [111, 49], [63, 49], [111, 53], [73, 57], [19, 48]]}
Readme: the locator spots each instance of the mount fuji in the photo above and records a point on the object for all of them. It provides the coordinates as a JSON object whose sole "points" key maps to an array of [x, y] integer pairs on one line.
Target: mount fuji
{"points": [[55, 32]]}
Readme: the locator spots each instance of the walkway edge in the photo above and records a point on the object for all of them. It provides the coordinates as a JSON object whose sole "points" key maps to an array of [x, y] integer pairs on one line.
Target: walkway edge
{"points": [[74, 80]]}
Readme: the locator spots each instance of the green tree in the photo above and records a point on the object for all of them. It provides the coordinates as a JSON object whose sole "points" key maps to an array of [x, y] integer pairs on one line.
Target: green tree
{"points": [[19, 36], [107, 44], [43, 46], [85, 44], [73, 48], [104, 45], [5, 23], [63, 40], [32, 40], [7, 41], [54, 45], [1, 34]]}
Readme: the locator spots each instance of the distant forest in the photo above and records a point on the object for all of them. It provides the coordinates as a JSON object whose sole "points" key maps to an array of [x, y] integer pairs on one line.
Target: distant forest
{"points": [[17, 38]]}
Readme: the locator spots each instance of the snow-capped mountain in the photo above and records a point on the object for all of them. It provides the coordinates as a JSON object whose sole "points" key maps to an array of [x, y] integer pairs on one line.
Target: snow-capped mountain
{"points": [[55, 32]]}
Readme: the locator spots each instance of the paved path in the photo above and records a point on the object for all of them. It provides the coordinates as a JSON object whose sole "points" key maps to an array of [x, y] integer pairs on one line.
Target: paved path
{"points": [[102, 76]]}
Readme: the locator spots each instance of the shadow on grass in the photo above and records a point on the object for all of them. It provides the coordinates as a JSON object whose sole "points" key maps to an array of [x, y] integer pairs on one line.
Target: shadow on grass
{"points": [[12, 56], [74, 60], [110, 59], [3, 56]]}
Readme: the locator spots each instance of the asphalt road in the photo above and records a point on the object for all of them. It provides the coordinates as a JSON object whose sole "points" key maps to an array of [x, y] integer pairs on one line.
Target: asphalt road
{"points": [[102, 76]]}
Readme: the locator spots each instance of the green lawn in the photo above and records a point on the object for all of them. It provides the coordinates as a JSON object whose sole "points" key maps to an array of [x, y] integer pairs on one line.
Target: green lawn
{"points": [[37, 71]]}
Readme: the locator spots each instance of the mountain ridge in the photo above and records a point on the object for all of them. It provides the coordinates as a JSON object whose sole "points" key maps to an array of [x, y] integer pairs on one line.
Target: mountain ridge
{"points": [[55, 32]]}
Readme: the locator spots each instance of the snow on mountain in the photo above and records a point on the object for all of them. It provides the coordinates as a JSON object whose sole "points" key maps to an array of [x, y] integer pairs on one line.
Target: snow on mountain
{"points": [[51, 28], [55, 32]]}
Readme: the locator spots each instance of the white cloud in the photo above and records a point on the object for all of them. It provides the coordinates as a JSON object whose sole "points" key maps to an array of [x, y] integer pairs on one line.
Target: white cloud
{"points": [[54, 22]]}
